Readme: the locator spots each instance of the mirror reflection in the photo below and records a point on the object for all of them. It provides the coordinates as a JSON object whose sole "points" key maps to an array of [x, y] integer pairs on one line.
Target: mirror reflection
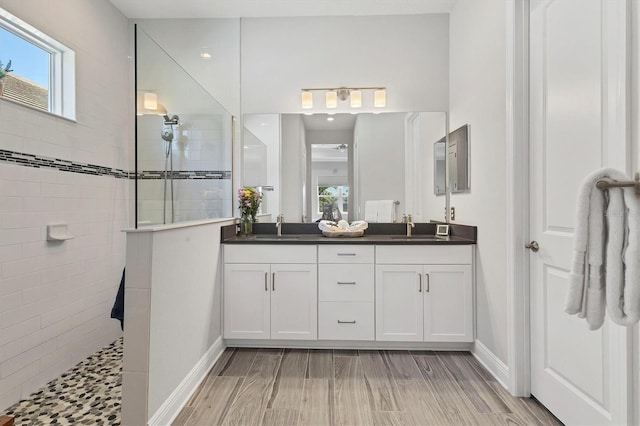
{"points": [[374, 167]]}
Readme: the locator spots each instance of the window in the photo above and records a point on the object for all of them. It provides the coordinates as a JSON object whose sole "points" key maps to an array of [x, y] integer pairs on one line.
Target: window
{"points": [[35, 68], [328, 195]]}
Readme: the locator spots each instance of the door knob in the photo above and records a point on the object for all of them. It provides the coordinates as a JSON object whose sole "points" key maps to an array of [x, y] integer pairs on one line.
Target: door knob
{"points": [[533, 245]]}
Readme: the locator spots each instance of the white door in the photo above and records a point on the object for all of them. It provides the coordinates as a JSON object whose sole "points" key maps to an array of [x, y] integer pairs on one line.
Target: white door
{"points": [[576, 96], [246, 301], [294, 301], [399, 303], [448, 303]]}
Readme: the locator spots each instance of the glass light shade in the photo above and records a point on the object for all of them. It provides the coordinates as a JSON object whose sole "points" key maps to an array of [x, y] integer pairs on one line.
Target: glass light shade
{"points": [[380, 98], [150, 101], [331, 99], [306, 99], [356, 99]]}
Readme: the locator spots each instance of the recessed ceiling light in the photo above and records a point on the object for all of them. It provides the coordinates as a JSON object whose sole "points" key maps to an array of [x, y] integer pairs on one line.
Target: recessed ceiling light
{"points": [[330, 119], [205, 53]]}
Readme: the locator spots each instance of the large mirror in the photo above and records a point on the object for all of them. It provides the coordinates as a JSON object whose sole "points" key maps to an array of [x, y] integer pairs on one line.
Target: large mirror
{"points": [[376, 167]]}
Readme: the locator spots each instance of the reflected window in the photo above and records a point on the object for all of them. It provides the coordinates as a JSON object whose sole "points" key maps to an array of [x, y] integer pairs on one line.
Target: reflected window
{"points": [[330, 195]]}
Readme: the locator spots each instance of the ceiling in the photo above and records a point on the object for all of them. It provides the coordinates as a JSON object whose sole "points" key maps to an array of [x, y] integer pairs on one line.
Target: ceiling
{"points": [[271, 8]]}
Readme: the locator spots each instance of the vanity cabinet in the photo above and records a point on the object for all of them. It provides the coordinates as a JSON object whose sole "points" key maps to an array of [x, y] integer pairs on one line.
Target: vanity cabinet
{"points": [[346, 292], [270, 292], [424, 294]]}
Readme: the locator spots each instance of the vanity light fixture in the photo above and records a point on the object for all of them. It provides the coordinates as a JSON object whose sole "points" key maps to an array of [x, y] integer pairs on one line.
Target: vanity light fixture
{"points": [[356, 98], [380, 98], [306, 99], [331, 99], [354, 94]]}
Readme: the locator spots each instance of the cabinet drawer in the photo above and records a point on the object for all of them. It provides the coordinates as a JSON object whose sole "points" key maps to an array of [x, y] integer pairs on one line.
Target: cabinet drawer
{"points": [[424, 255], [346, 283], [343, 253], [345, 321], [266, 253]]}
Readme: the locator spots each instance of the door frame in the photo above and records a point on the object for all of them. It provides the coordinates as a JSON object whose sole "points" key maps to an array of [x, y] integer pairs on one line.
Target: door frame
{"points": [[517, 185], [616, 110]]}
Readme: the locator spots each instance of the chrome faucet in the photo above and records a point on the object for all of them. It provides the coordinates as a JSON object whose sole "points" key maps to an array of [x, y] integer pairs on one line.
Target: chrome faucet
{"points": [[410, 225], [279, 223]]}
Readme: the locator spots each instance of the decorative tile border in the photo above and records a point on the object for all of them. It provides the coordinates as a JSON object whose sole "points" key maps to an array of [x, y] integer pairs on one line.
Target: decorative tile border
{"points": [[186, 174], [37, 161]]}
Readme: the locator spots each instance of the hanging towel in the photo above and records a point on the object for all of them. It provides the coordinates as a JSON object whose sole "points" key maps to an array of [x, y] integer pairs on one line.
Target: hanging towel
{"points": [[623, 256], [386, 211], [117, 311], [601, 252], [371, 211]]}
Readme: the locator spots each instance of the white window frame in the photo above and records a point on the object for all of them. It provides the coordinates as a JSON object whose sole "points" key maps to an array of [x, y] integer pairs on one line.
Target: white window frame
{"points": [[62, 71]]}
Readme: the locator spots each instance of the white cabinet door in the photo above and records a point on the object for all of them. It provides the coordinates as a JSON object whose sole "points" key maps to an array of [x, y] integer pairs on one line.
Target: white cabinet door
{"points": [[399, 303], [294, 301], [246, 301], [448, 303]]}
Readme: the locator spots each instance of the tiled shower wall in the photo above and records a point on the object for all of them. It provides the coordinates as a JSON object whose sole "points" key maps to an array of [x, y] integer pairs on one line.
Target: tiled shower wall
{"points": [[55, 298], [201, 168]]}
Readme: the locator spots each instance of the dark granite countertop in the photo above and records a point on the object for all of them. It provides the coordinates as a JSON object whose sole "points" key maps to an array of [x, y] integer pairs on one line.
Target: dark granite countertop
{"points": [[387, 234]]}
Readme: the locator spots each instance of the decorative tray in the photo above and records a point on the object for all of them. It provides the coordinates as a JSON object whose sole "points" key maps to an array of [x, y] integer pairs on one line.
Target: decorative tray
{"points": [[343, 233]]}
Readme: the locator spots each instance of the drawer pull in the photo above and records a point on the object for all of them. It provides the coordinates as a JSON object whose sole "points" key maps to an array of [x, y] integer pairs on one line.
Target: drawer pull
{"points": [[420, 281], [266, 287], [428, 282], [273, 282], [346, 322], [346, 283], [346, 254]]}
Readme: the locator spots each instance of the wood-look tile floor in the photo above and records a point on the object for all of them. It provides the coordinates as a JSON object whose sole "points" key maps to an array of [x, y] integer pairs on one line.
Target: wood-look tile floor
{"points": [[340, 387]]}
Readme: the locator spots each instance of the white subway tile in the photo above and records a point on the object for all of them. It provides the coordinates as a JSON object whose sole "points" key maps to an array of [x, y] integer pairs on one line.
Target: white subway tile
{"points": [[10, 301], [22, 313], [26, 358], [10, 350], [19, 235], [10, 285], [17, 331]]}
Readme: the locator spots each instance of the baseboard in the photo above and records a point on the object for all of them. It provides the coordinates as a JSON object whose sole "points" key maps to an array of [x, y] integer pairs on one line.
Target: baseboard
{"points": [[492, 363], [171, 407]]}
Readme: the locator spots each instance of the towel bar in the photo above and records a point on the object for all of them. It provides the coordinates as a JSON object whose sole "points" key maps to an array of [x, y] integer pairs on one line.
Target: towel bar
{"points": [[603, 184]]}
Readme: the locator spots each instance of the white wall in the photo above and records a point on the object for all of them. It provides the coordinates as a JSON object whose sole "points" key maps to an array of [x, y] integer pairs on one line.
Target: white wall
{"points": [[172, 316], [55, 298], [407, 54], [477, 97]]}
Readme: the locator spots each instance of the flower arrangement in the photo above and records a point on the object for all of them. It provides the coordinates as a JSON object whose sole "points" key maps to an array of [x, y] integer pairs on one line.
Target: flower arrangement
{"points": [[249, 200]]}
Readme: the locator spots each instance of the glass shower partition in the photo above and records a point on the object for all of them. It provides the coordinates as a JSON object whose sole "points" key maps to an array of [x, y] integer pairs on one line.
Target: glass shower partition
{"points": [[183, 143]]}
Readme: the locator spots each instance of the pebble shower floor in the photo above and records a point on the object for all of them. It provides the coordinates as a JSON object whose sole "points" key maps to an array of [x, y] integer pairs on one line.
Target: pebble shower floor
{"points": [[88, 394]]}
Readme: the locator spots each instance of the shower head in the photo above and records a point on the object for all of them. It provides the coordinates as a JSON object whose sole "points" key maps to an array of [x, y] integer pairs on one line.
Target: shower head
{"points": [[173, 120]]}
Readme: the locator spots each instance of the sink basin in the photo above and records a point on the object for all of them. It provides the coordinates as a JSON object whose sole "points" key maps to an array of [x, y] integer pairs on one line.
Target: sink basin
{"points": [[414, 237]]}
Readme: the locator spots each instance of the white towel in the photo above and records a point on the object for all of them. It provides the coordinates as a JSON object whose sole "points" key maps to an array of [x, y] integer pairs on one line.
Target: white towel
{"points": [[386, 211], [623, 256], [371, 211], [592, 284]]}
